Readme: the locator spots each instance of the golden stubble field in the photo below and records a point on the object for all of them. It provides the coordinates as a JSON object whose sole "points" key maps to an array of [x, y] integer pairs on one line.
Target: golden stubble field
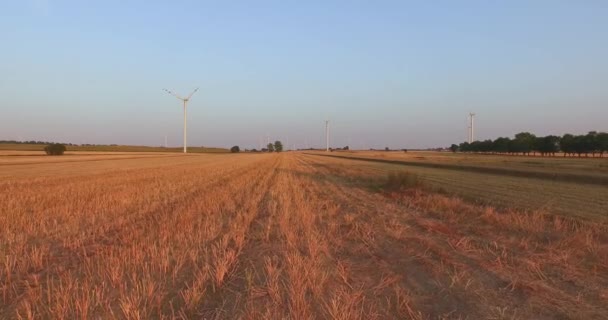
{"points": [[278, 236], [570, 187]]}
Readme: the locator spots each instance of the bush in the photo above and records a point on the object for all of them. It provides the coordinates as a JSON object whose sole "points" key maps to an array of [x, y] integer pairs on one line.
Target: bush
{"points": [[55, 149], [235, 149], [402, 180]]}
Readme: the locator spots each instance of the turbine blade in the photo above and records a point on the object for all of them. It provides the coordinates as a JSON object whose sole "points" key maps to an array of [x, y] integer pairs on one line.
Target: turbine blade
{"points": [[195, 90], [173, 94]]}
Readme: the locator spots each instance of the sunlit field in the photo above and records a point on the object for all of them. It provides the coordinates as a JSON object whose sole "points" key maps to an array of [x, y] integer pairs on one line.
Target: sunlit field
{"points": [[568, 187], [294, 236], [553, 165]]}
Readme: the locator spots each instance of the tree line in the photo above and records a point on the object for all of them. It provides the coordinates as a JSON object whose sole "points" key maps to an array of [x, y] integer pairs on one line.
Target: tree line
{"points": [[30, 142], [277, 146], [526, 143]]}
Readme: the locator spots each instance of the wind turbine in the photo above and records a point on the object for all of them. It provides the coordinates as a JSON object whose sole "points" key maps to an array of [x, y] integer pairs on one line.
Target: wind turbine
{"points": [[185, 100], [471, 127], [327, 135]]}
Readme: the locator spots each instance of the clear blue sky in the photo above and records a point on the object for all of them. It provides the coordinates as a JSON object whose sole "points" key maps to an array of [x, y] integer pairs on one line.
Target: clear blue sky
{"points": [[386, 73]]}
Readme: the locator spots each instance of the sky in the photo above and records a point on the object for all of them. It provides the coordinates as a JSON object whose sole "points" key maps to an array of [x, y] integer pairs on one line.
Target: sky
{"points": [[397, 74]]}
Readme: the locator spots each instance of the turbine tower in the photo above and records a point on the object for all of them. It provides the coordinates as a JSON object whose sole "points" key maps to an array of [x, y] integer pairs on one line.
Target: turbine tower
{"points": [[326, 135], [185, 101], [471, 127]]}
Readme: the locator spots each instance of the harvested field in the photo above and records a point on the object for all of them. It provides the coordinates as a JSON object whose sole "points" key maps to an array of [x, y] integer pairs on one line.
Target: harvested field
{"points": [[108, 148], [583, 169], [579, 198], [280, 236], [84, 163]]}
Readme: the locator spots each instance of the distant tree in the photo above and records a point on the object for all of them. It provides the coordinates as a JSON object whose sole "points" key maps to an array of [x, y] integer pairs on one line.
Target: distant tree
{"points": [[264, 150], [552, 144], [581, 144], [485, 146], [464, 147], [547, 145], [387, 149], [270, 147], [254, 150], [525, 142], [475, 146], [235, 149], [55, 149], [454, 148], [516, 146], [591, 142], [501, 145], [345, 148], [602, 143], [566, 144], [278, 146]]}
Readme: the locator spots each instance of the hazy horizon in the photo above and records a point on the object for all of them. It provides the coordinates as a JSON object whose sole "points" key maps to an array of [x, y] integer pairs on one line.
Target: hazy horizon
{"points": [[387, 74]]}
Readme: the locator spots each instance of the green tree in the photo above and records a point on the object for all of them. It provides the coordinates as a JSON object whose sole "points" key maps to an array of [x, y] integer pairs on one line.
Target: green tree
{"points": [[278, 146], [567, 144], [270, 147], [525, 142], [602, 143], [485, 146], [235, 149], [454, 147], [501, 145], [465, 147], [591, 142], [55, 149], [581, 144], [547, 145]]}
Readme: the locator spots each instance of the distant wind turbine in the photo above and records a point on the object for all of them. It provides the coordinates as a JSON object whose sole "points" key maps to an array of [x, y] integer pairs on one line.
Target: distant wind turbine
{"points": [[327, 135], [471, 127], [185, 100]]}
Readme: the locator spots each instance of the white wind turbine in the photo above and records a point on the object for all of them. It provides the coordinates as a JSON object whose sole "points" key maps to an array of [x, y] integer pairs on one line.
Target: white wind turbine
{"points": [[185, 100], [327, 135], [471, 127]]}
